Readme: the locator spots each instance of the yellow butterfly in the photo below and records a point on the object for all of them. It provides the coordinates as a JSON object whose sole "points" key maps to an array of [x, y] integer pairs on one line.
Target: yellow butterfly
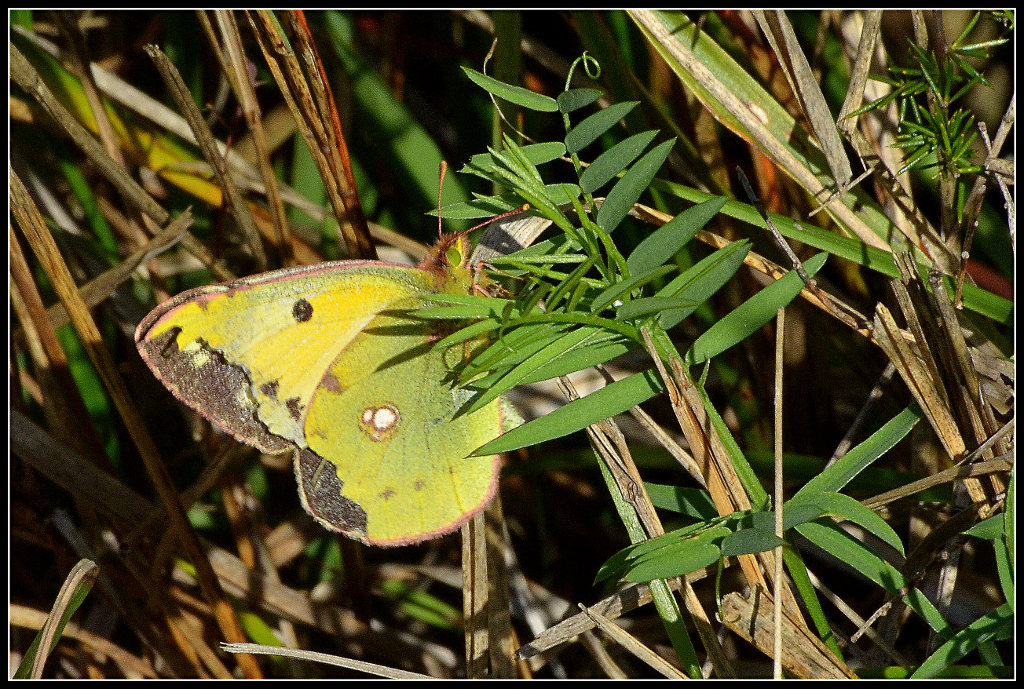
{"points": [[325, 362]]}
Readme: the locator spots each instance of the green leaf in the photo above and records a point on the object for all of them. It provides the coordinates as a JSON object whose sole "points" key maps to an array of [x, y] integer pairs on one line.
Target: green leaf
{"points": [[672, 554], [693, 502], [832, 479], [513, 94], [752, 540], [988, 529], [994, 625], [975, 298], [798, 571], [600, 347], [662, 244], [462, 306], [848, 550], [515, 346], [544, 352], [588, 131], [614, 160], [619, 289], [628, 190], [845, 507], [520, 259], [470, 332], [749, 316], [675, 561], [568, 285], [796, 514], [574, 99], [700, 282], [538, 154], [480, 207], [604, 403], [645, 306]]}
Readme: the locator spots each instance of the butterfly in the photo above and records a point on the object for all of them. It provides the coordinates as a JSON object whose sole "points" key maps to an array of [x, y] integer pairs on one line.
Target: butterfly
{"points": [[328, 363]]}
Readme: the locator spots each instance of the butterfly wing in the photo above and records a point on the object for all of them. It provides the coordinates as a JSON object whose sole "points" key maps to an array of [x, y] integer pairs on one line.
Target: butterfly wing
{"points": [[404, 450], [249, 354], [260, 356]]}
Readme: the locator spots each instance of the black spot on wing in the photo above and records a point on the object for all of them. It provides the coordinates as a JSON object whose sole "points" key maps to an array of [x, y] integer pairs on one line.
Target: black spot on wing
{"points": [[302, 310]]}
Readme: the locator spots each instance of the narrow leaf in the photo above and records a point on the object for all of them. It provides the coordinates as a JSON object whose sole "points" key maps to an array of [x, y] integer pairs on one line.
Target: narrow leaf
{"points": [[700, 282], [851, 552], [753, 540], [513, 94], [835, 477], [994, 625], [628, 190], [605, 403], [845, 507], [620, 289], [615, 160], [602, 346], [645, 306], [675, 562], [588, 131], [662, 244], [574, 99], [693, 502], [514, 346], [749, 316], [538, 154], [546, 351]]}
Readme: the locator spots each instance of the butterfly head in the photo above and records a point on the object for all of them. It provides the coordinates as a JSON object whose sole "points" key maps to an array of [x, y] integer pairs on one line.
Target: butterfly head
{"points": [[448, 260]]}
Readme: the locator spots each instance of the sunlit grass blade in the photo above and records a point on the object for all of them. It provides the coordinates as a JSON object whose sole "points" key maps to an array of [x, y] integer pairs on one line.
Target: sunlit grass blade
{"points": [[833, 478], [697, 284], [538, 154], [855, 554], [975, 298], [540, 355], [462, 306], [998, 624], [622, 289], [845, 507], [515, 346]]}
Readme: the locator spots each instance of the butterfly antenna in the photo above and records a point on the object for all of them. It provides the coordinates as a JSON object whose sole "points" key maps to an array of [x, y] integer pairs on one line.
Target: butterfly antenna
{"points": [[515, 211], [440, 186]]}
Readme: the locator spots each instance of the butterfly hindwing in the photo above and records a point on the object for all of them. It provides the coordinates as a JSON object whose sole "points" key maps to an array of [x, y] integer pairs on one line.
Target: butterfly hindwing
{"points": [[405, 447]]}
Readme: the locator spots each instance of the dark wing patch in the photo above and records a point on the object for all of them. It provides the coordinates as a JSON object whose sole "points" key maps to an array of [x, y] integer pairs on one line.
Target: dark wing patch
{"points": [[320, 489], [221, 392]]}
